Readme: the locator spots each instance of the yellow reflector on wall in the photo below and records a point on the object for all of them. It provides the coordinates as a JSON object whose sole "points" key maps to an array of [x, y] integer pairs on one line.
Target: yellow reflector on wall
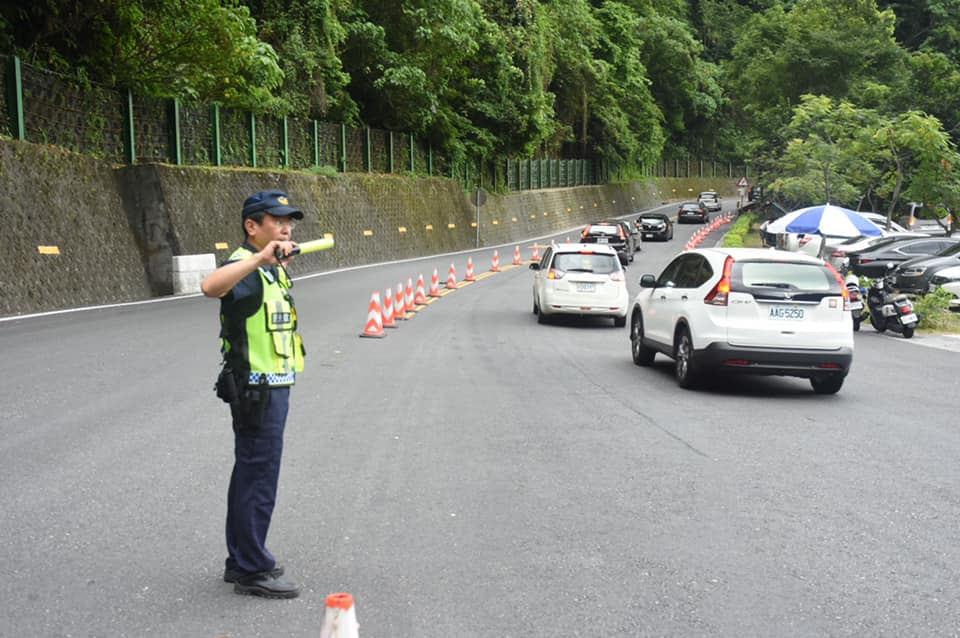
{"points": [[221, 245], [402, 229], [48, 250], [368, 233], [451, 226], [429, 226]]}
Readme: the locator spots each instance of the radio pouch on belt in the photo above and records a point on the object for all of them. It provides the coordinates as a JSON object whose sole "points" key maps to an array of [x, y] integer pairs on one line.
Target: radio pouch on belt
{"points": [[248, 410], [227, 386]]}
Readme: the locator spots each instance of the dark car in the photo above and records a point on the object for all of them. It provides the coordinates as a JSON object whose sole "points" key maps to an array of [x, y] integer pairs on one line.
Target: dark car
{"points": [[613, 234], [914, 275], [654, 226], [693, 212], [873, 261]]}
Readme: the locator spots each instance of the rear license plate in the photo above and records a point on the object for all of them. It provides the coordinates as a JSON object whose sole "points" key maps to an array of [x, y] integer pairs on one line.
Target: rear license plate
{"points": [[647, 235], [911, 318], [602, 240], [792, 313], [586, 286], [856, 305]]}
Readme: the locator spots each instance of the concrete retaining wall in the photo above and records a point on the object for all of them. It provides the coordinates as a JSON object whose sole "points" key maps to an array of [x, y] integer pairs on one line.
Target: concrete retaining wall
{"points": [[117, 229]]}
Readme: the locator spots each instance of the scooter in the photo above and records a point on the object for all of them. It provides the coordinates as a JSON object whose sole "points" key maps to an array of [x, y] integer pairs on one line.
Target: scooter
{"points": [[889, 311], [856, 300]]}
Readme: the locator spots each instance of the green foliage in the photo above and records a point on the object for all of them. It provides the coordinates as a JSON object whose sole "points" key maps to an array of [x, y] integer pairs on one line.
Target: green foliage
{"points": [[934, 313], [736, 237]]}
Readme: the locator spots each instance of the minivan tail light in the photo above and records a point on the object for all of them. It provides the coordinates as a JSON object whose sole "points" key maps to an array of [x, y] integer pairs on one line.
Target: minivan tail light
{"points": [[721, 291]]}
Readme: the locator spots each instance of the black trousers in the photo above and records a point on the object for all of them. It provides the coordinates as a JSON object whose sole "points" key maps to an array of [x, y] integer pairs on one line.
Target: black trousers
{"points": [[253, 487]]}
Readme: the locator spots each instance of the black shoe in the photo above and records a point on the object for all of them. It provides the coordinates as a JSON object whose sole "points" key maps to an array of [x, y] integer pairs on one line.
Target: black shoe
{"points": [[266, 586], [234, 575]]}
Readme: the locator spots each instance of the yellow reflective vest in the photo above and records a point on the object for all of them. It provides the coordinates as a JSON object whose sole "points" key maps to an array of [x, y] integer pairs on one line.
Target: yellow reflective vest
{"points": [[266, 343]]}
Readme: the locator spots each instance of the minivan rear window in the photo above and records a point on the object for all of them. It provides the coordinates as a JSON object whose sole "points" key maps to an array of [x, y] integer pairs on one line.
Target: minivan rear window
{"points": [[598, 263]]}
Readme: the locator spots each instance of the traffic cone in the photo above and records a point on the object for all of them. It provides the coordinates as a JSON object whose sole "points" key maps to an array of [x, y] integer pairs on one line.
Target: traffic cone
{"points": [[374, 327], [419, 298], [452, 277], [340, 618], [516, 256], [435, 284], [401, 313], [568, 239], [536, 253], [495, 265], [388, 321], [469, 276], [408, 305]]}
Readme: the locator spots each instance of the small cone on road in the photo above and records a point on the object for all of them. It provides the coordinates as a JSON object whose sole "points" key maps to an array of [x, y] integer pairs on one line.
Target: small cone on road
{"points": [[536, 253], [419, 298], [435, 284], [516, 256], [388, 321], [340, 618], [408, 305], [469, 276], [401, 304], [452, 277], [374, 326], [495, 263]]}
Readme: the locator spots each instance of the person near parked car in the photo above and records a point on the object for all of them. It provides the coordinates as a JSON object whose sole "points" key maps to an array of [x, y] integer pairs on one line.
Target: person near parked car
{"points": [[262, 352]]}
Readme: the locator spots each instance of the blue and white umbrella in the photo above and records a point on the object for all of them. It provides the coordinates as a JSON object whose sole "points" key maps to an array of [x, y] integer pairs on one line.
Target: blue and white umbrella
{"points": [[827, 220]]}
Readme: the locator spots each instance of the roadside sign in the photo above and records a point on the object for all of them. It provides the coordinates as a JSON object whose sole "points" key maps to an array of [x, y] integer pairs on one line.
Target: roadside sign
{"points": [[742, 183]]}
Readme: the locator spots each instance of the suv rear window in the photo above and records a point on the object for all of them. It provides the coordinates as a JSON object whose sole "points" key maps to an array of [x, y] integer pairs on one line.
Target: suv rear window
{"points": [[598, 263], [773, 279]]}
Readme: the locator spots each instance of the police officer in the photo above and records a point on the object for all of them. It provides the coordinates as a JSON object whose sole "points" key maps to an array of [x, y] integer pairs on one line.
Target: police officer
{"points": [[262, 352]]}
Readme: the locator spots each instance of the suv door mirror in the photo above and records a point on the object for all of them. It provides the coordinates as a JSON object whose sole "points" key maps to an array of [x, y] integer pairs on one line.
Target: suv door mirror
{"points": [[535, 265], [648, 281]]}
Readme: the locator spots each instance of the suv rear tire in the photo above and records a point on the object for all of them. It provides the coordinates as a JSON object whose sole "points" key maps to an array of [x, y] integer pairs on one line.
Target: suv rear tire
{"points": [[684, 370], [827, 385]]}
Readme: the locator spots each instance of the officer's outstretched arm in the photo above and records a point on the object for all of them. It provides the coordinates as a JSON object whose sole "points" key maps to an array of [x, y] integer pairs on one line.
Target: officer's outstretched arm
{"points": [[223, 279]]}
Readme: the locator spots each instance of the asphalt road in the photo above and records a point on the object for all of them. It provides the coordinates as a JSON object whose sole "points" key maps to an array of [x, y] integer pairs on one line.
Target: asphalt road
{"points": [[475, 474]]}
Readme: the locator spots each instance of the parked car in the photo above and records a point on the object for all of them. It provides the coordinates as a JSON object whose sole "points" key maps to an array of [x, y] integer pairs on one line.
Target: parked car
{"points": [[614, 234], [747, 311], [838, 255], [693, 211], [949, 280], [873, 261], [710, 199], [914, 275], [655, 226], [881, 221], [582, 280]]}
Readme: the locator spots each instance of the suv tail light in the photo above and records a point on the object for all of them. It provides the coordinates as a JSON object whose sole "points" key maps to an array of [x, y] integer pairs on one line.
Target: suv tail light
{"points": [[843, 286], [553, 273], [616, 276], [721, 291]]}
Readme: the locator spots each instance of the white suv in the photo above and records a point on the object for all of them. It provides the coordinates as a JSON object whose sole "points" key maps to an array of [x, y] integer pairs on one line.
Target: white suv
{"points": [[748, 311], [580, 279]]}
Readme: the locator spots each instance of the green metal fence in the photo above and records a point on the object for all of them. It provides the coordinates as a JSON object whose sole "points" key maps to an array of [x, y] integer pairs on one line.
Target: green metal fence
{"points": [[124, 128]]}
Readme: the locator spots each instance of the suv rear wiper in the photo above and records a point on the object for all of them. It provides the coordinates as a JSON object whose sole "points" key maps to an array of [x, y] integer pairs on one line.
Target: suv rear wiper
{"points": [[770, 284]]}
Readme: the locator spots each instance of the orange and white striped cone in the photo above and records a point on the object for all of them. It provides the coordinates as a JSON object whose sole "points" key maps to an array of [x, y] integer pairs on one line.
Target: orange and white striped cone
{"points": [[435, 284], [568, 239], [400, 304], [340, 618], [408, 305], [469, 276], [374, 327], [388, 321], [516, 256], [452, 277], [419, 297], [536, 253], [495, 263]]}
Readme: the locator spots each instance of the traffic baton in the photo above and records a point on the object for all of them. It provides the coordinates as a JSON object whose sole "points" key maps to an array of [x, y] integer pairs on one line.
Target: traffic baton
{"points": [[307, 247]]}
